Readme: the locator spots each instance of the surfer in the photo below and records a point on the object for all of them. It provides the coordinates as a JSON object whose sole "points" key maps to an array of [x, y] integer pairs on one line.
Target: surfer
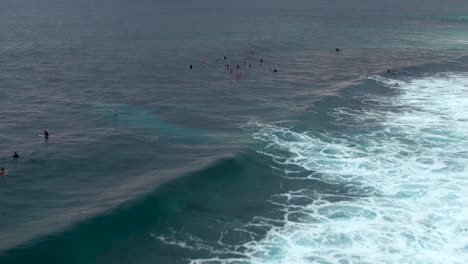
{"points": [[191, 66], [397, 84], [261, 61], [238, 66], [115, 113], [337, 50], [3, 171], [15, 156], [388, 70], [225, 57], [46, 134], [275, 70]]}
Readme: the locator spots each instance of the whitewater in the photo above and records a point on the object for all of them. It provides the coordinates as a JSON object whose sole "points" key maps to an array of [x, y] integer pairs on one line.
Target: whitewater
{"points": [[403, 165]]}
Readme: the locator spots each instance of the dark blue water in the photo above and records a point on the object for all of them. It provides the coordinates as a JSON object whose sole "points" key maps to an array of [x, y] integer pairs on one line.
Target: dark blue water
{"points": [[327, 160]]}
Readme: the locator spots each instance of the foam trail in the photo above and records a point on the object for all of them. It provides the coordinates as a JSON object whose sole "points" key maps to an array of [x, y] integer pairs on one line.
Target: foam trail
{"points": [[416, 161], [407, 170]]}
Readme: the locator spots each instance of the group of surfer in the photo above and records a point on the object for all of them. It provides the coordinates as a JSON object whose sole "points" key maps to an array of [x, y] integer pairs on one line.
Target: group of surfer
{"points": [[15, 155], [5, 172], [243, 75], [231, 69]]}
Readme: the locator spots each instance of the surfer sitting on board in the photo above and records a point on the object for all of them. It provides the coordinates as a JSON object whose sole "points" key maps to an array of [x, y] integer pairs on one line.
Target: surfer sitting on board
{"points": [[3, 171], [46, 134], [15, 156]]}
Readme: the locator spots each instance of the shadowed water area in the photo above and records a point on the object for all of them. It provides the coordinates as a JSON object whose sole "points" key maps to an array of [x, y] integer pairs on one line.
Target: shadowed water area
{"points": [[327, 160]]}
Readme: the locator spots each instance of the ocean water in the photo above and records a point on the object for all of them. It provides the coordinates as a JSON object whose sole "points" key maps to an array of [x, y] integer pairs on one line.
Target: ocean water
{"points": [[330, 160]]}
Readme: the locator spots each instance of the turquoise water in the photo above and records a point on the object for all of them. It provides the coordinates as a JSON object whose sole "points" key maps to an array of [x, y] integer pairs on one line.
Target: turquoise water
{"points": [[325, 161]]}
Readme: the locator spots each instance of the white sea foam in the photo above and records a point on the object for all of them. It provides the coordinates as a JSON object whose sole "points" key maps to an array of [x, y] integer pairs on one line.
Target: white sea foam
{"points": [[412, 163]]}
